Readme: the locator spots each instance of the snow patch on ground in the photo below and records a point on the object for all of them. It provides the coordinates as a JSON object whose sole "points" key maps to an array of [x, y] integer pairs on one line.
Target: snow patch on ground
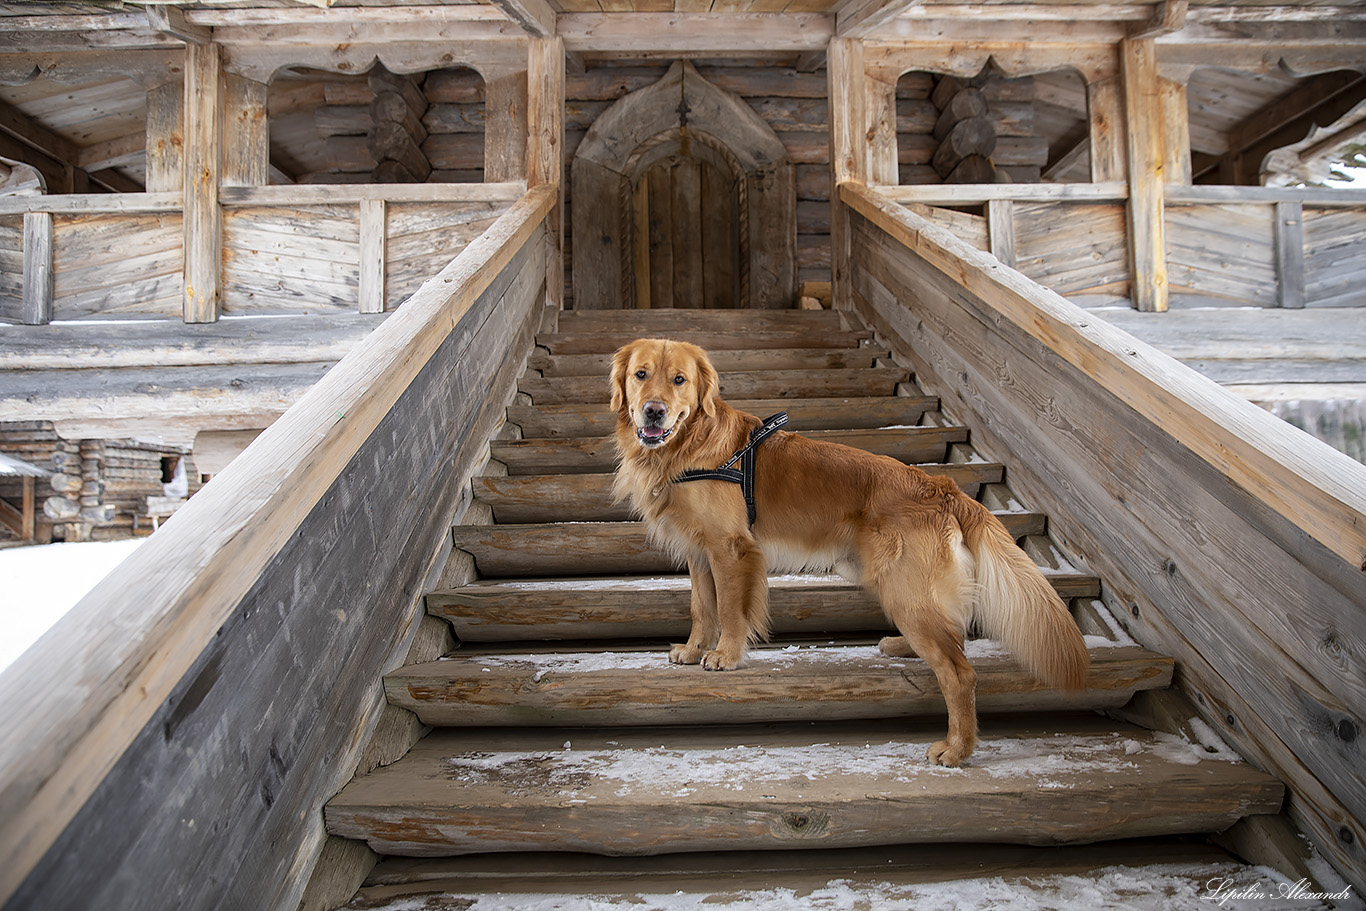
{"points": [[40, 584]]}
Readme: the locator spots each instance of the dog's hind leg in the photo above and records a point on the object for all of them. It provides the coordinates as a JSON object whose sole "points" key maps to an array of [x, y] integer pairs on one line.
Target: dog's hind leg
{"points": [[705, 625], [741, 571]]}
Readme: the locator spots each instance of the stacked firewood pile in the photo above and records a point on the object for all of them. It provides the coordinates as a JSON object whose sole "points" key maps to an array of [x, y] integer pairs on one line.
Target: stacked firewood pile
{"points": [[977, 130]]}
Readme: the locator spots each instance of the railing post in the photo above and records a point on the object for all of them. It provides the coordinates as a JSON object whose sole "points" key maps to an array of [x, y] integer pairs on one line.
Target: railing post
{"points": [[545, 148], [203, 215], [1290, 255], [373, 246], [37, 303], [1147, 237], [1001, 230], [848, 154]]}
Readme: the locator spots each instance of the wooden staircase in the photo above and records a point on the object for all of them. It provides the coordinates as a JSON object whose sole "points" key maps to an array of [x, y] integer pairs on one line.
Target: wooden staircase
{"points": [[560, 726]]}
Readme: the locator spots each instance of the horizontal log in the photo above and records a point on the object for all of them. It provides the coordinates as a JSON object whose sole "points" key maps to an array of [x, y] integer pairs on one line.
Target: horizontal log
{"points": [[622, 792], [912, 445], [830, 683], [751, 384], [602, 548], [520, 499], [967, 137], [594, 420]]}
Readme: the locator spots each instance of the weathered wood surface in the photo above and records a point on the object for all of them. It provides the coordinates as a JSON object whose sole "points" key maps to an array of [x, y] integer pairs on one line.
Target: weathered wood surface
{"points": [[597, 548], [594, 420], [511, 610], [521, 498], [750, 384], [608, 339], [1202, 474], [111, 265], [692, 790], [598, 454], [201, 595], [1334, 244], [599, 365], [475, 688]]}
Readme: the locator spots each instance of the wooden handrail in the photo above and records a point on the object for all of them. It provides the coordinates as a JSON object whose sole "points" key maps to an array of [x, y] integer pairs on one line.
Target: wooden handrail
{"points": [[344, 194], [1310, 484], [72, 705], [978, 193]]}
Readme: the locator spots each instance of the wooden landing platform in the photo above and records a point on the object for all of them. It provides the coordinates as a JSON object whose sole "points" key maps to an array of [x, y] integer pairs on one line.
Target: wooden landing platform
{"points": [[1046, 780]]}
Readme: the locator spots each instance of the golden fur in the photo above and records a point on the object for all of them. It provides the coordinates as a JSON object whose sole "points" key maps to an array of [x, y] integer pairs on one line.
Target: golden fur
{"points": [[935, 558]]}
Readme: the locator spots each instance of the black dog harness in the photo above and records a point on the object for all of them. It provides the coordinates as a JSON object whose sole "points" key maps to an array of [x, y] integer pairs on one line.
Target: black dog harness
{"points": [[745, 475]]}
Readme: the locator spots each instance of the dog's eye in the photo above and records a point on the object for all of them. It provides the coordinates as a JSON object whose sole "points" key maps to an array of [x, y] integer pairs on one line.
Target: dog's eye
{"points": [[680, 380], [641, 374]]}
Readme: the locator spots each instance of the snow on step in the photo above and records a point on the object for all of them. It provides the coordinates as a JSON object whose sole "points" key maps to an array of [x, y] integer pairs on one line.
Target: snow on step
{"points": [[599, 454], [646, 607], [822, 683], [602, 548], [661, 790]]}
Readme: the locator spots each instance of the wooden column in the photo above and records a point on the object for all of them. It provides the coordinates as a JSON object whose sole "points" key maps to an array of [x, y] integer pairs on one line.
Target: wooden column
{"points": [[1290, 255], [880, 110], [545, 148], [1001, 230], [848, 155], [245, 133], [203, 215], [166, 138], [37, 300], [1109, 145], [1143, 110], [1176, 133], [505, 126], [372, 255]]}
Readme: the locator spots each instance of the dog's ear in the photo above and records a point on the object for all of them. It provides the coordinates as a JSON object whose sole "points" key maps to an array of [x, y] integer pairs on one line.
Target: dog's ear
{"points": [[708, 385], [620, 362]]}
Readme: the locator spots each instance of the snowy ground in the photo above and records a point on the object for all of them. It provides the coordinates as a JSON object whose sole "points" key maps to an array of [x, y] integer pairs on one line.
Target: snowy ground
{"points": [[39, 584], [1165, 887]]}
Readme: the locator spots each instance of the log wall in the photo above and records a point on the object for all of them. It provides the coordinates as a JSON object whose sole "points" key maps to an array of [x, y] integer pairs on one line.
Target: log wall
{"points": [[256, 626], [1226, 538]]}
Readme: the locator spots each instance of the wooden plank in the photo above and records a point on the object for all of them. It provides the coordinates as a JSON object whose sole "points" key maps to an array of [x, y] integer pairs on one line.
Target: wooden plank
{"points": [[1108, 131], [756, 322], [602, 548], [599, 365], [245, 160], [687, 32], [1290, 255], [545, 151], [1001, 230], [868, 18], [756, 384], [848, 156], [203, 221], [1143, 112], [802, 414], [608, 339], [351, 194], [529, 499], [476, 688], [512, 610], [973, 195], [38, 272], [704, 791], [68, 735], [373, 231]]}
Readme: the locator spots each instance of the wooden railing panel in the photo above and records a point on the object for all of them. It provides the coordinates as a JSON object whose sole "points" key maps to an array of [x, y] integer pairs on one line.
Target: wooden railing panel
{"points": [[116, 264], [1073, 248], [224, 679], [288, 260], [1223, 251], [11, 268], [1334, 257], [1227, 539], [422, 236]]}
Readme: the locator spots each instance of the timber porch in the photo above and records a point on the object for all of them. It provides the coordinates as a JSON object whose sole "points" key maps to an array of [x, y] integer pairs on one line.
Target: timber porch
{"points": [[362, 268]]}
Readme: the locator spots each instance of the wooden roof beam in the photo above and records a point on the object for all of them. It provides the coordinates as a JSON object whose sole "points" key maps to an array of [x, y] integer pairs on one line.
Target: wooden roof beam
{"points": [[170, 20], [865, 18], [674, 34], [1168, 16], [535, 16]]}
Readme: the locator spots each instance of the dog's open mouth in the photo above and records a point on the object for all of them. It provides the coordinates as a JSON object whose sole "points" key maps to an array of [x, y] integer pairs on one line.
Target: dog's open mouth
{"points": [[652, 436]]}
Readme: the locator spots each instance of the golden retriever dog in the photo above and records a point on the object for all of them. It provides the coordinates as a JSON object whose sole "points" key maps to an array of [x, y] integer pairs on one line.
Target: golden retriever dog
{"points": [[936, 559]]}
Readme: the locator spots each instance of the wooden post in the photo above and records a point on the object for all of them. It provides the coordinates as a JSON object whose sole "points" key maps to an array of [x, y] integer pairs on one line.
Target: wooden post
{"points": [[505, 126], [372, 254], [37, 303], [848, 157], [166, 138], [545, 148], [1290, 255], [1143, 109], [203, 215], [1176, 143], [1001, 230], [880, 109], [245, 133], [1108, 134]]}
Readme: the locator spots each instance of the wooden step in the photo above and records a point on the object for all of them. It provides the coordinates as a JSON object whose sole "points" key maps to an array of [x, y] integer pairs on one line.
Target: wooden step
{"points": [[509, 610], [588, 497], [579, 455], [592, 419], [602, 548], [1048, 780], [723, 360], [816, 683], [610, 338], [748, 384], [666, 318]]}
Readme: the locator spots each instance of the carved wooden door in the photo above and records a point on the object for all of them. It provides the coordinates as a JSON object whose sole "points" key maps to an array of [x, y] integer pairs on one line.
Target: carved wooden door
{"points": [[687, 238]]}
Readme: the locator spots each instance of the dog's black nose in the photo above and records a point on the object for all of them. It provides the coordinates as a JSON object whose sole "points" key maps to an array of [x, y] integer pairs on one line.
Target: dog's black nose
{"points": [[655, 411]]}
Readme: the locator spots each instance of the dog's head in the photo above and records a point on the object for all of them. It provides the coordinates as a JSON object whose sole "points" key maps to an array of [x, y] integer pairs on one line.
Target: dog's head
{"points": [[657, 385]]}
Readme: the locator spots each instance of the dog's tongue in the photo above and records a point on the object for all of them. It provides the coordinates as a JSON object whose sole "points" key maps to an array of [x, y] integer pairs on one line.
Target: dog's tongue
{"points": [[652, 432]]}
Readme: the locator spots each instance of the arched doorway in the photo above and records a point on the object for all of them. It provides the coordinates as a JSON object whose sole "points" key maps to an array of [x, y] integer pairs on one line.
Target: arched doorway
{"points": [[683, 196]]}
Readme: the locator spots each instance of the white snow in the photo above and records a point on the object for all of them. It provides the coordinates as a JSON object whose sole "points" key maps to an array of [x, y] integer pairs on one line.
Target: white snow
{"points": [[1161, 887], [39, 584]]}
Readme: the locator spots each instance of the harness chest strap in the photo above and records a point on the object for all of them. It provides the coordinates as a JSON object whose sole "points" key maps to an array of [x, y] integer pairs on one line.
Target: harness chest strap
{"points": [[745, 475]]}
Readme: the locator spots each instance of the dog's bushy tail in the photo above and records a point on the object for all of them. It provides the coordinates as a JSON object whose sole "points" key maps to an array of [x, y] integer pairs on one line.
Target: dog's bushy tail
{"points": [[1016, 605]]}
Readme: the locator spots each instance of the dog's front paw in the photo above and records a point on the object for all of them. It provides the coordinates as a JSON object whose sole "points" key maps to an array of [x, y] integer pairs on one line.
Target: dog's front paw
{"points": [[896, 647], [721, 660], [685, 654], [945, 754]]}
